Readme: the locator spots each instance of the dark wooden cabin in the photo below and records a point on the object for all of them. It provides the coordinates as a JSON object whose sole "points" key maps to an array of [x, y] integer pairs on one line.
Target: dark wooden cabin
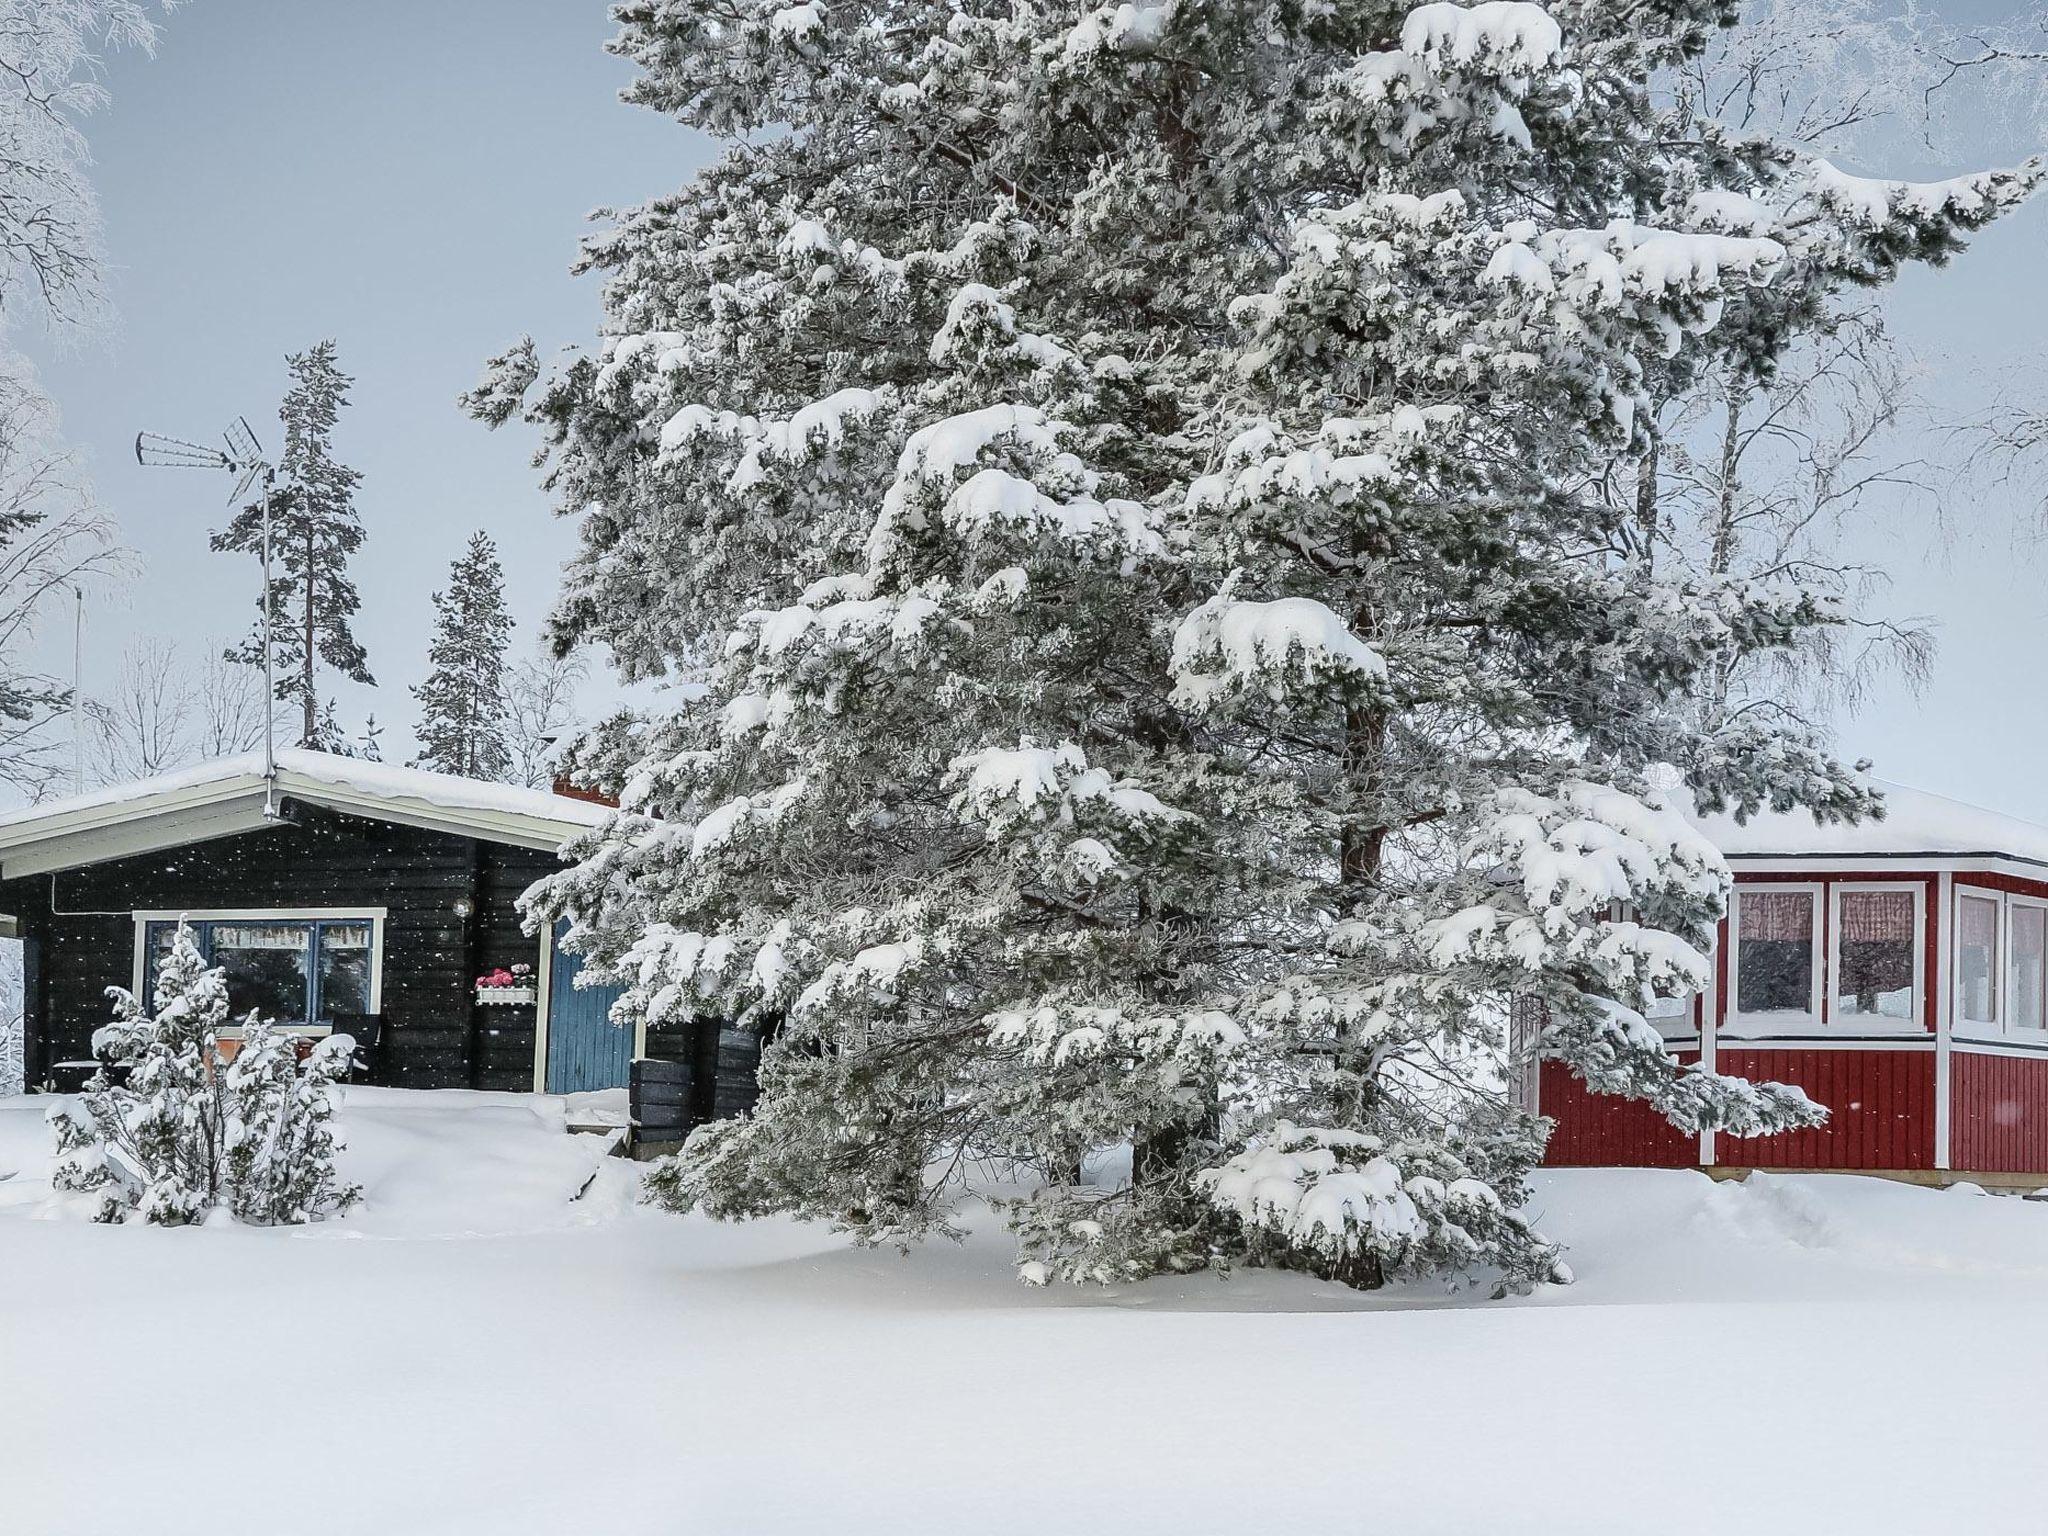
{"points": [[373, 891]]}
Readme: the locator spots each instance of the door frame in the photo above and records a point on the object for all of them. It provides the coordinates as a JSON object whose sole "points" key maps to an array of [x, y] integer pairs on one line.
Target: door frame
{"points": [[543, 1003]]}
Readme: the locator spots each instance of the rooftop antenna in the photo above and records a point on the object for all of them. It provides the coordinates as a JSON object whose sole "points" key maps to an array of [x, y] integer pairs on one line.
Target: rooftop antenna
{"points": [[242, 458]]}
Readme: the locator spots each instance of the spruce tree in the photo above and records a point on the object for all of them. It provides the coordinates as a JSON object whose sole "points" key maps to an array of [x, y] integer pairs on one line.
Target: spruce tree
{"points": [[462, 702], [1141, 482], [314, 531]]}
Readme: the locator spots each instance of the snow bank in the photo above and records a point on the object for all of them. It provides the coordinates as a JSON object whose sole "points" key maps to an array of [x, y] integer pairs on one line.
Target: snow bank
{"points": [[492, 1355]]}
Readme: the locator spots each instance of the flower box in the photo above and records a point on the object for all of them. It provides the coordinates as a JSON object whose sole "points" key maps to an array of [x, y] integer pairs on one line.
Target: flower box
{"points": [[505, 996]]}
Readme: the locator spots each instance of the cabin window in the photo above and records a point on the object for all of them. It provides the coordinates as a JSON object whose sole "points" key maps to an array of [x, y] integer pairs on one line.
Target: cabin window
{"points": [[1776, 953], [289, 969], [1877, 955], [1977, 957]]}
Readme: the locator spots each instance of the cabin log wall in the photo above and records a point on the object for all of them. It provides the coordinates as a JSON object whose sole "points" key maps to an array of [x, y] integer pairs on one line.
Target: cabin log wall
{"points": [[436, 1036]]}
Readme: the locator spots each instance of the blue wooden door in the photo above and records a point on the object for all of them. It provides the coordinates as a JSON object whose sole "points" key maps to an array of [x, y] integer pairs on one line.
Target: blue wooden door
{"points": [[585, 1048]]}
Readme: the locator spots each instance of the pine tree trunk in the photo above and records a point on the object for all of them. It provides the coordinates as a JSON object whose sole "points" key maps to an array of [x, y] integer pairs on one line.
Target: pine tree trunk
{"points": [[1646, 501], [1359, 856]]}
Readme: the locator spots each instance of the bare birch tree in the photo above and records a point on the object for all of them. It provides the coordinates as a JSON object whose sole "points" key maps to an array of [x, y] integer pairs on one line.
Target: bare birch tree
{"points": [[540, 705], [165, 711]]}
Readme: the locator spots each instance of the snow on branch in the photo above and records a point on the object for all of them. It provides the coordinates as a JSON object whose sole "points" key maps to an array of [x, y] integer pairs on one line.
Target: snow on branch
{"points": [[1511, 38], [1350, 1202], [1055, 1036], [1231, 648]]}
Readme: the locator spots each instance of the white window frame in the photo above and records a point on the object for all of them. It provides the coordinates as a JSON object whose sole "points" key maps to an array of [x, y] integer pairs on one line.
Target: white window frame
{"points": [[1685, 1026], [2001, 966], [2009, 1024], [374, 916], [1915, 1022], [1765, 1024]]}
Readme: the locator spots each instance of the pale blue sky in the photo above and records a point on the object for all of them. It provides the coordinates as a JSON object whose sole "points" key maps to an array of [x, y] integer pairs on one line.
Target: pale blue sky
{"points": [[410, 176]]}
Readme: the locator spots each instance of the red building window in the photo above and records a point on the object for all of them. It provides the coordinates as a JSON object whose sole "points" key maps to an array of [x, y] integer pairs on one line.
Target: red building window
{"points": [[1877, 955], [2029, 964], [1776, 953], [1977, 957]]}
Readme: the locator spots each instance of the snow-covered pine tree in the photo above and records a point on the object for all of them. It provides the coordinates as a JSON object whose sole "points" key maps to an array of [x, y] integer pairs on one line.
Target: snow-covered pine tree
{"points": [[462, 703], [168, 1132], [314, 531], [1134, 477]]}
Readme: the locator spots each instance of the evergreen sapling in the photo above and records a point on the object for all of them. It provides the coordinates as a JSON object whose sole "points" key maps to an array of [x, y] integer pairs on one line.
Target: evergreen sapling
{"points": [[168, 1132]]}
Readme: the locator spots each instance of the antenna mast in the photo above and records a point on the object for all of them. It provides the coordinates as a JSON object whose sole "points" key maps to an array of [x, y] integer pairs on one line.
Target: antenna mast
{"points": [[243, 459], [78, 693]]}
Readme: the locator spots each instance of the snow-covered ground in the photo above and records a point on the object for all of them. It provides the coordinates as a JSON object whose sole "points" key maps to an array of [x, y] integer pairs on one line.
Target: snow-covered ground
{"points": [[500, 1342]]}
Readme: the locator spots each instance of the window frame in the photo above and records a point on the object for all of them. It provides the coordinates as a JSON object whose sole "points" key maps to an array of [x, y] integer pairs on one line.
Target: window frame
{"points": [[1960, 1021], [2008, 1024], [1915, 1021], [1766, 1024], [198, 917]]}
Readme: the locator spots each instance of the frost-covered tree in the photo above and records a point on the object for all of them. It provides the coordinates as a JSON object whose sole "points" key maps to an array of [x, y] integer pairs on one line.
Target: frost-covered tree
{"points": [[167, 1131], [1753, 473], [314, 531], [51, 80], [1138, 479], [51, 267], [463, 710], [54, 542], [13, 1060]]}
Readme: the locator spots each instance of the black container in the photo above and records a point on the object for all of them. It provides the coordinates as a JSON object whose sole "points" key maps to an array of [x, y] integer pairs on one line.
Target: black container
{"points": [[658, 1095]]}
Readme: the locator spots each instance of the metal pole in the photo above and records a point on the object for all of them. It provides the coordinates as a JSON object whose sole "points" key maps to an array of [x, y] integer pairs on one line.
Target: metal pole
{"points": [[269, 679], [78, 693]]}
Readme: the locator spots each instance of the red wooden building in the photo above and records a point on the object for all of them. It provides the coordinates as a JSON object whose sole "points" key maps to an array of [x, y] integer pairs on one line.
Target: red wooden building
{"points": [[1897, 971]]}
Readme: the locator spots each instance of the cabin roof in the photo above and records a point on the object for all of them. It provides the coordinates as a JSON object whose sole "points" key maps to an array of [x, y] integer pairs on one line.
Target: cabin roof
{"points": [[1915, 823], [226, 796]]}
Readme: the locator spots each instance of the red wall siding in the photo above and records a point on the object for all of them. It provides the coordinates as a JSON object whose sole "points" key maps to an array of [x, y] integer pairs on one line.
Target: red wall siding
{"points": [[1998, 1122], [1598, 1130], [1881, 1103]]}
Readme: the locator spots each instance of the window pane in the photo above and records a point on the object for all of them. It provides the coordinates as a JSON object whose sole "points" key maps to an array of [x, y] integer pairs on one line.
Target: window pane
{"points": [[1977, 958], [344, 969], [1877, 945], [1774, 962], [157, 942], [2029, 952], [266, 965]]}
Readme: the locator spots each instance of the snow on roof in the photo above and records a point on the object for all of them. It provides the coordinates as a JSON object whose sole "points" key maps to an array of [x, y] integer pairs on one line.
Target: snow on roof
{"points": [[226, 796], [379, 780], [1915, 822]]}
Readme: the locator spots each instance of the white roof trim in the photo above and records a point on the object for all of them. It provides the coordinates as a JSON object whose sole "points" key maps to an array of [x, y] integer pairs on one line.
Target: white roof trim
{"points": [[224, 798]]}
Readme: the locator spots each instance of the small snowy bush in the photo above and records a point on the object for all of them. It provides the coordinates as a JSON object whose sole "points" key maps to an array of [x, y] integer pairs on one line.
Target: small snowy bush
{"points": [[169, 1131]]}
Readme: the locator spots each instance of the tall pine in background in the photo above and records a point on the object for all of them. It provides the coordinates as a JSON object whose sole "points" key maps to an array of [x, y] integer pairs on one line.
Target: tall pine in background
{"points": [[462, 727], [314, 531], [1151, 487]]}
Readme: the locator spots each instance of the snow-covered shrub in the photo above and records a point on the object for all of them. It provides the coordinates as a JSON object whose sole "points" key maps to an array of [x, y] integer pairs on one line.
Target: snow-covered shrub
{"points": [[168, 1131], [1347, 1206]]}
